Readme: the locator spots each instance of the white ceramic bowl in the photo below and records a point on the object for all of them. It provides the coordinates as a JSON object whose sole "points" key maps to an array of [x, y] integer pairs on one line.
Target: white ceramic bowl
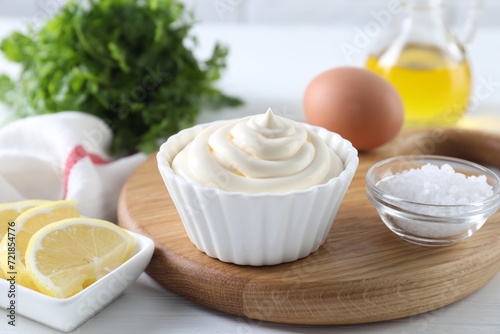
{"points": [[257, 229], [67, 314]]}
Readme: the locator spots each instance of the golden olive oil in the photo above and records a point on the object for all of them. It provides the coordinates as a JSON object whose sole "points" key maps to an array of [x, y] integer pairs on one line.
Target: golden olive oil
{"points": [[435, 89]]}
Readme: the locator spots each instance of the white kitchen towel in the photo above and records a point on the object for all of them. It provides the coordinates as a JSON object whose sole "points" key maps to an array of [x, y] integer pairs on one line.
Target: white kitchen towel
{"points": [[63, 156]]}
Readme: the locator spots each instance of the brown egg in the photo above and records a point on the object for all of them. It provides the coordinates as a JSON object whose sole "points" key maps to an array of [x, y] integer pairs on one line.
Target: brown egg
{"points": [[360, 105]]}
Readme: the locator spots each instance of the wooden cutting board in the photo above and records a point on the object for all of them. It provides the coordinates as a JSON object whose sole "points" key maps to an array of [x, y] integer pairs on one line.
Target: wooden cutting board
{"points": [[363, 272]]}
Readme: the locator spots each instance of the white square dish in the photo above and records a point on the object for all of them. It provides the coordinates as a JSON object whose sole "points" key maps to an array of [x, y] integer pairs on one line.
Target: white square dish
{"points": [[69, 313]]}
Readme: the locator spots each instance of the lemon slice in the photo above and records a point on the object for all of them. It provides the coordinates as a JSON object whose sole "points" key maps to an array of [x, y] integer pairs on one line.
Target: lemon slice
{"points": [[13, 245], [9, 212], [65, 257]]}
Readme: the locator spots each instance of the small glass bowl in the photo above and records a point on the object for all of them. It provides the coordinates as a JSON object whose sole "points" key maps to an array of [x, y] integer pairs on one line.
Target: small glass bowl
{"points": [[429, 224]]}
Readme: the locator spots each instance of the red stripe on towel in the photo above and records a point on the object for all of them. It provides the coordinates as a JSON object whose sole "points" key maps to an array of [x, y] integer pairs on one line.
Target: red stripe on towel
{"points": [[77, 154]]}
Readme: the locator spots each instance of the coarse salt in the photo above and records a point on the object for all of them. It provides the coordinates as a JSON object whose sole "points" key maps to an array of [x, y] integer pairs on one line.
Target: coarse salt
{"points": [[431, 184]]}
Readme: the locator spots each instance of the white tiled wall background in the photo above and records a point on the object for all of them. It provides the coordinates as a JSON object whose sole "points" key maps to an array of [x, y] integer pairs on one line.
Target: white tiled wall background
{"points": [[347, 12]]}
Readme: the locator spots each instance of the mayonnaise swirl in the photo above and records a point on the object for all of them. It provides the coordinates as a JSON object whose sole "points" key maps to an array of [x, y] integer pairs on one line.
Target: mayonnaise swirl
{"points": [[257, 154]]}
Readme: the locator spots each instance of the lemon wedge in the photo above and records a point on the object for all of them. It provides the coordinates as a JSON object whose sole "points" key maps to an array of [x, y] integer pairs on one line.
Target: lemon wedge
{"points": [[13, 245], [65, 257], [9, 212]]}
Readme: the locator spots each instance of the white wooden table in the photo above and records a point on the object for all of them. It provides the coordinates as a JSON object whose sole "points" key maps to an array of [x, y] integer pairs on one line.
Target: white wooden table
{"points": [[269, 66]]}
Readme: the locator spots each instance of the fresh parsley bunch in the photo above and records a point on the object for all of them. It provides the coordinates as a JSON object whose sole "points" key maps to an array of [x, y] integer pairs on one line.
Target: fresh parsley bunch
{"points": [[125, 61]]}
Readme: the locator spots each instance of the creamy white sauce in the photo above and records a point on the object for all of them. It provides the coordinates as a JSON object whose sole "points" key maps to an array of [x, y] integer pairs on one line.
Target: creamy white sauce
{"points": [[257, 154]]}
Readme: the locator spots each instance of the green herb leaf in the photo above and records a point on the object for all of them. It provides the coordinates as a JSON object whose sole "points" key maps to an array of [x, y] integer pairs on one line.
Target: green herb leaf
{"points": [[124, 61]]}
